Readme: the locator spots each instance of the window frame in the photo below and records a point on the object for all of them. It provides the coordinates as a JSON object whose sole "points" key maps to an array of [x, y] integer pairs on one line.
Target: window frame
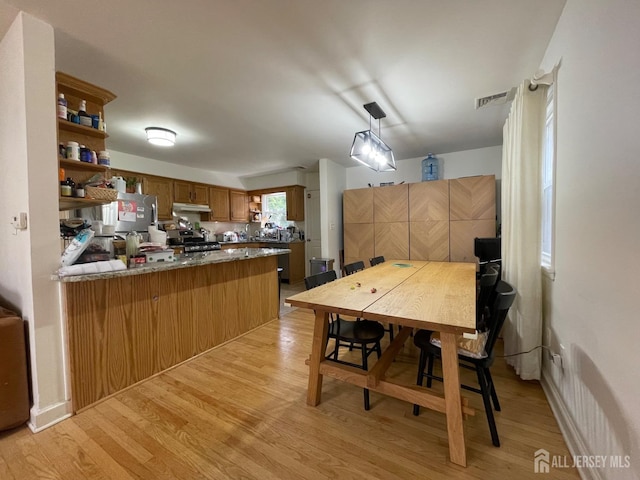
{"points": [[548, 180]]}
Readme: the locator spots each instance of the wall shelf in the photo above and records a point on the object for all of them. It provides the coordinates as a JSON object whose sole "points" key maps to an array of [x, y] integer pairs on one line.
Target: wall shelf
{"points": [[73, 203], [81, 129], [78, 165]]}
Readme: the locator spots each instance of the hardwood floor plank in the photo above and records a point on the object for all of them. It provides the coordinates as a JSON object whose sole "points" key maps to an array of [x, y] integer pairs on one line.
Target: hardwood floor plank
{"points": [[239, 412]]}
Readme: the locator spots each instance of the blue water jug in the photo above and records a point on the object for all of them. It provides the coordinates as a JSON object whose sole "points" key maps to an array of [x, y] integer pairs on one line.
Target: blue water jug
{"points": [[430, 168]]}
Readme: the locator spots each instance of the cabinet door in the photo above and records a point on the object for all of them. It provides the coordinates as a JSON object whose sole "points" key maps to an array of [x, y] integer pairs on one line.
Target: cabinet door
{"points": [[473, 198], [462, 235], [358, 242], [219, 203], [239, 206], [295, 203], [392, 240], [357, 205], [163, 189], [429, 240], [296, 262], [429, 201], [391, 204], [181, 191], [200, 194]]}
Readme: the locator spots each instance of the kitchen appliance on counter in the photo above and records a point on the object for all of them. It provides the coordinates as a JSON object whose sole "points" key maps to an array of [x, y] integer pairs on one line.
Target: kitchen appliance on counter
{"points": [[191, 241], [229, 237]]}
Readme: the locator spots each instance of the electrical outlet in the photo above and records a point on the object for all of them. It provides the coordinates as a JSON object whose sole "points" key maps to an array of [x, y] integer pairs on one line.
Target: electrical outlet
{"points": [[19, 222]]}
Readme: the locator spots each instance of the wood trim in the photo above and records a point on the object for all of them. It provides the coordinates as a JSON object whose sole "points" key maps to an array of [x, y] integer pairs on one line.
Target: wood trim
{"points": [[265, 191], [86, 90]]}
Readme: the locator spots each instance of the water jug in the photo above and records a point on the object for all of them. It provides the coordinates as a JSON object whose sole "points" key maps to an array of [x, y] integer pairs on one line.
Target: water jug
{"points": [[430, 168]]}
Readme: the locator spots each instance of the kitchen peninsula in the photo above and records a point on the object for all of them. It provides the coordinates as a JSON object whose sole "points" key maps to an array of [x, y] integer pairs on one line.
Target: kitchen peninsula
{"points": [[126, 326]]}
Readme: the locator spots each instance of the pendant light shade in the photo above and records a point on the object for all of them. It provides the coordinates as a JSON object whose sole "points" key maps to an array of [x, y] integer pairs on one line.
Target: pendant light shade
{"points": [[161, 136], [369, 149]]}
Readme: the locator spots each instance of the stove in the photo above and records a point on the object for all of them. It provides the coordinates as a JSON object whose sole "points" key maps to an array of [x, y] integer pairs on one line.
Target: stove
{"points": [[191, 247]]}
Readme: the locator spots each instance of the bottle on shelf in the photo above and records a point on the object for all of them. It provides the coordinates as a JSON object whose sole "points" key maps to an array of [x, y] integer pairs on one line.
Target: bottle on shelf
{"points": [[72, 186], [79, 191], [101, 125], [85, 118], [85, 154], [73, 150], [62, 106], [65, 188]]}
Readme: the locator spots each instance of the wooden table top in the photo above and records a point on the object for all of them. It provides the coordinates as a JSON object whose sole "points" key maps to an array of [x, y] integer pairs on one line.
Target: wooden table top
{"points": [[434, 295]]}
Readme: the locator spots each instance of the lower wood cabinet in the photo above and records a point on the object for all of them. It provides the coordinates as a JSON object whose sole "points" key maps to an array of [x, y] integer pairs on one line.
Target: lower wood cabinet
{"points": [[462, 233], [296, 262]]}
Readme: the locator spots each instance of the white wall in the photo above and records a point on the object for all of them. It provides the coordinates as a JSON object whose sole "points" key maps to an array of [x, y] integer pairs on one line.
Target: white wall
{"points": [[332, 184], [135, 163], [481, 161], [592, 306], [28, 159]]}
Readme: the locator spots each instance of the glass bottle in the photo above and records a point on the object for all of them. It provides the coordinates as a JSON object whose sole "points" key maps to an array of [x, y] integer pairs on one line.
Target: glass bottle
{"points": [[85, 118]]}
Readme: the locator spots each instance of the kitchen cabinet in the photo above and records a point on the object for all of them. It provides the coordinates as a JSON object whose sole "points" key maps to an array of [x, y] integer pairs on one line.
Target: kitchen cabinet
{"points": [[219, 204], [472, 211], [429, 221], [190, 192], [163, 189], [296, 262], [239, 206], [96, 98], [295, 203], [435, 221]]}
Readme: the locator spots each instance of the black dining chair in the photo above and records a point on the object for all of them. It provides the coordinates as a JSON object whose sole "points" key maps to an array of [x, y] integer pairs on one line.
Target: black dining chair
{"points": [[475, 355], [376, 260], [354, 267], [364, 335]]}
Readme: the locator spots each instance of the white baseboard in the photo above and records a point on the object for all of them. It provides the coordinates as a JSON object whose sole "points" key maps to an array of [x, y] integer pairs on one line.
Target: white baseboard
{"points": [[41, 419], [568, 427]]}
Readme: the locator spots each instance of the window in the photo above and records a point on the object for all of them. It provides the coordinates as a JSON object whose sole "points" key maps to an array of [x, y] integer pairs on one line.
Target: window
{"points": [[548, 190], [274, 209]]}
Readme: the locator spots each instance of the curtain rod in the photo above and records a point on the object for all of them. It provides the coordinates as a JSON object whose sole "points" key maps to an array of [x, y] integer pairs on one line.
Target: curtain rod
{"points": [[541, 78]]}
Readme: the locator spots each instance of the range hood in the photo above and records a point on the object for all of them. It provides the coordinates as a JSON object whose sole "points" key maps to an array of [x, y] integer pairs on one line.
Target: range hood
{"points": [[190, 207]]}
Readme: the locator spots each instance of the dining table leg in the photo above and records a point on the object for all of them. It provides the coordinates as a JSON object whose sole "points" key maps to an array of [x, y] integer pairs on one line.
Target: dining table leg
{"points": [[318, 349], [452, 397]]}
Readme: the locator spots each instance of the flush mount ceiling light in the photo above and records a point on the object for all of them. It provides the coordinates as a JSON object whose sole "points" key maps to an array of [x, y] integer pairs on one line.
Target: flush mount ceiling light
{"points": [[369, 149], [161, 136]]}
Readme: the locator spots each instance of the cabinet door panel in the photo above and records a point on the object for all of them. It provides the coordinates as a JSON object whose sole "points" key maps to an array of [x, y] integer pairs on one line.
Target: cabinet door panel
{"points": [[219, 203], [391, 204], [163, 189], [181, 191], [358, 242], [473, 198], [357, 205], [296, 262], [200, 194], [429, 201], [239, 206], [429, 240], [392, 240], [462, 234]]}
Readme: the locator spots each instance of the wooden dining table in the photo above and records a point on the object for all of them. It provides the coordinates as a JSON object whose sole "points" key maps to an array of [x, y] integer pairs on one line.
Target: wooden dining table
{"points": [[437, 296]]}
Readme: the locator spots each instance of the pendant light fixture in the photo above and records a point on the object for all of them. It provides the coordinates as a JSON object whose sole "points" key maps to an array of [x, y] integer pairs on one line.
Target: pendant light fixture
{"points": [[161, 136], [369, 149]]}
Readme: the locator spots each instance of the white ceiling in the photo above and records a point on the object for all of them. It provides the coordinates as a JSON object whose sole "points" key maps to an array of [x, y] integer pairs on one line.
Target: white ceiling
{"points": [[256, 86]]}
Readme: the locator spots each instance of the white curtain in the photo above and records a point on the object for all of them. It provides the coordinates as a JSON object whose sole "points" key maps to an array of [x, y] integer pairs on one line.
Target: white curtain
{"points": [[521, 228]]}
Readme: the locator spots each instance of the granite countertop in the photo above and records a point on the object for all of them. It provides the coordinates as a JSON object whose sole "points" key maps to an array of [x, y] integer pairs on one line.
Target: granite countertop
{"points": [[260, 240], [185, 261]]}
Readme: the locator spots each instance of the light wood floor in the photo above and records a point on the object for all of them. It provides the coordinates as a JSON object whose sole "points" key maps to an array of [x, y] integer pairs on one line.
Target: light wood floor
{"points": [[239, 412]]}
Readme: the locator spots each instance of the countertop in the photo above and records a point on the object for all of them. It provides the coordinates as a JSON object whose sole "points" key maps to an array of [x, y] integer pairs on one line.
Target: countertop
{"points": [[260, 240], [185, 261]]}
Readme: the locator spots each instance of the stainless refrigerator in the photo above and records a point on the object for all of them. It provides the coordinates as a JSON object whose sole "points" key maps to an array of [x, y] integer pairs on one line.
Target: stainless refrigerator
{"points": [[131, 212]]}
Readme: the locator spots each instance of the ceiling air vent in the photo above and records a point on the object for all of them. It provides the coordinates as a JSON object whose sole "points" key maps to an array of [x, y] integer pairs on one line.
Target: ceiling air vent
{"points": [[496, 99]]}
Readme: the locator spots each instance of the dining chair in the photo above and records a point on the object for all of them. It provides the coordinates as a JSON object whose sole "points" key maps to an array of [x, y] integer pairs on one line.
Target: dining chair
{"points": [[376, 260], [476, 355], [354, 267], [488, 250], [359, 265], [364, 335]]}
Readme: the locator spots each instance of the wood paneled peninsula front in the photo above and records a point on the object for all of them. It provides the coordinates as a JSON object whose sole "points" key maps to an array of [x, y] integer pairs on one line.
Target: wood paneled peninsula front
{"points": [[126, 326]]}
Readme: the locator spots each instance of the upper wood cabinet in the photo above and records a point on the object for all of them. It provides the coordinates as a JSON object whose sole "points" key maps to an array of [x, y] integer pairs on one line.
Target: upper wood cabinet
{"points": [[357, 205], [391, 204], [239, 206], [163, 189], [219, 204], [189, 192], [295, 203]]}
